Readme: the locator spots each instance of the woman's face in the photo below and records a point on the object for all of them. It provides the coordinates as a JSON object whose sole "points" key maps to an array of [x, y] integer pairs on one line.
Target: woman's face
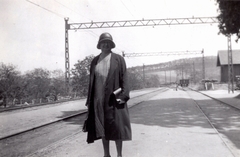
{"points": [[105, 46]]}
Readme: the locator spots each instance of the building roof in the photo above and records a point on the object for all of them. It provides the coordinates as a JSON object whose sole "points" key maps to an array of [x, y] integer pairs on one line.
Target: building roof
{"points": [[222, 58]]}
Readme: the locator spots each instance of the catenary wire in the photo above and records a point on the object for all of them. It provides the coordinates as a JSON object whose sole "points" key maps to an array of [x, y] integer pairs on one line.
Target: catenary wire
{"points": [[57, 14]]}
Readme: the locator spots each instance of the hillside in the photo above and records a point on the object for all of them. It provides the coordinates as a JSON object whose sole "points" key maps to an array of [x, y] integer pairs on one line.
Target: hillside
{"points": [[191, 68]]}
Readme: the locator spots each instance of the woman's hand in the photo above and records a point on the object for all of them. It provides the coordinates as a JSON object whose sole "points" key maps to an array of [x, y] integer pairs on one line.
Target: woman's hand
{"points": [[120, 101]]}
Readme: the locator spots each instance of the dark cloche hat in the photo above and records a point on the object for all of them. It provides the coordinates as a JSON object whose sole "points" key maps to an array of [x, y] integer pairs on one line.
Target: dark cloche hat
{"points": [[105, 37]]}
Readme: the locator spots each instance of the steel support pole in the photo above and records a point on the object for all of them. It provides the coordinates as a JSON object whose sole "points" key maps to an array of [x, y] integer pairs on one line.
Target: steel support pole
{"points": [[194, 73], [230, 66], [170, 77], [67, 75], [203, 65], [165, 76], [143, 75], [182, 71]]}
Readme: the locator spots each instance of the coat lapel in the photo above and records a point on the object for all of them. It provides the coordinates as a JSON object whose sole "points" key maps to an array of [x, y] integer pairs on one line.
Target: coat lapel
{"points": [[93, 70], [113, 66]]}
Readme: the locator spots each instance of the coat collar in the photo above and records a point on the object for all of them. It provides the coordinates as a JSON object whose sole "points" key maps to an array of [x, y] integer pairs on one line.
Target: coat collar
{"points": [[113, 66]]}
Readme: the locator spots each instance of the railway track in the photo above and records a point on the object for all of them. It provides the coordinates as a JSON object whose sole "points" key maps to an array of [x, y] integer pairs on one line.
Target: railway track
{"points": [[81, 112], [55, 131], [46, 135], [223, 117], [227, 104], [28, 142]]}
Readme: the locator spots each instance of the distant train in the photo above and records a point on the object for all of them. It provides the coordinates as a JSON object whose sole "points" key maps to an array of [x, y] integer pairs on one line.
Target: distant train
{"points": [[184, 82], [238, 82]]}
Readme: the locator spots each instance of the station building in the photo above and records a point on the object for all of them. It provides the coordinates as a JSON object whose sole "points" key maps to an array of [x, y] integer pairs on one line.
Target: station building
{"points": [[222, 62]]}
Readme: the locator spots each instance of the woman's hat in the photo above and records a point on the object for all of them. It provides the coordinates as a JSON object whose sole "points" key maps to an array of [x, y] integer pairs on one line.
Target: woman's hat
{"points": [[105, 37]]}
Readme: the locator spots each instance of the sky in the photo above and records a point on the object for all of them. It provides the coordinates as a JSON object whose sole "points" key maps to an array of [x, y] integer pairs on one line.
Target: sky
{"points": [[33, 31]]}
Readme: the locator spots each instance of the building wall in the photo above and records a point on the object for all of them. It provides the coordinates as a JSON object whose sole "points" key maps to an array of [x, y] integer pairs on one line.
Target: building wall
{"points": [[224, 72]]}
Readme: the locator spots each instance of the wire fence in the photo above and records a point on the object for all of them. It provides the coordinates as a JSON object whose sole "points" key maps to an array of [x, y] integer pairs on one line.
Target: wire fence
{"points": [[34, 102]]}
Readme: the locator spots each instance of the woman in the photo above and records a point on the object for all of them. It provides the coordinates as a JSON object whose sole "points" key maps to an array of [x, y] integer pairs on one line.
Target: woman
{"points": [[108, 117]]}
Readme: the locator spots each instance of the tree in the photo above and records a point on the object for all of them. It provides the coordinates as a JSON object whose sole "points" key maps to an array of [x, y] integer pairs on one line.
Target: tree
{"points": [[10, 86], [80, 76], [229, 16], [37, 83], [58, 82], [153, 81], [135, 79]]}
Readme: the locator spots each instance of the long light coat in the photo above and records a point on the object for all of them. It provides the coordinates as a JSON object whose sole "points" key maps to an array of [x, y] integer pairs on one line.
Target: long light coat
{"points": [[116, 120]]}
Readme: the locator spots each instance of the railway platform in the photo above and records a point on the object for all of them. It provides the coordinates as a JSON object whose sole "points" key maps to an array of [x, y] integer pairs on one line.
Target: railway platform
{"points": [[223, 96], [169, 124]]}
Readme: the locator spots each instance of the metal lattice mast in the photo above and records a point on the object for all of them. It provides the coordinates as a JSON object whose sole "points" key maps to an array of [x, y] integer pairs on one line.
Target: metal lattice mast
{"points": [[67, 70], [230, 66]]}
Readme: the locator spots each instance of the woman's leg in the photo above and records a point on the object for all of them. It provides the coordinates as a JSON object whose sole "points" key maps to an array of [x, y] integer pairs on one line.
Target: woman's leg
{"points": [[119, 147], [106, 147]]}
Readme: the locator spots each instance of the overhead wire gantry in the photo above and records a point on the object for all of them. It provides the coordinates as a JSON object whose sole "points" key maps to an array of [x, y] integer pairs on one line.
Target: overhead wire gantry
{"points": [[143, 22], [128, 23], [193, 52], [161, 53]]}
